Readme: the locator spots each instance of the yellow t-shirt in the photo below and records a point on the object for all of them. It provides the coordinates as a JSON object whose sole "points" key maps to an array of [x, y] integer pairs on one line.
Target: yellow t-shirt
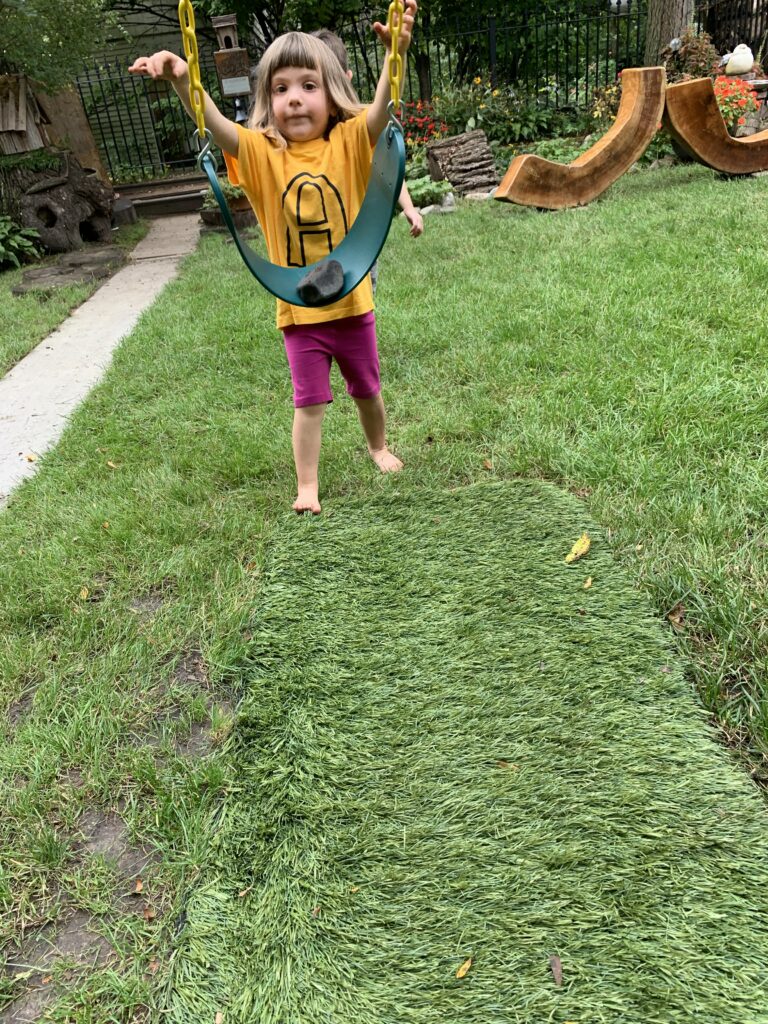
{"points": [[306, 198]]}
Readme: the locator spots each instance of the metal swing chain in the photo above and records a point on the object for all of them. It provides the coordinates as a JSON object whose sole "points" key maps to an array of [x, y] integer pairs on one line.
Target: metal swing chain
{"points": [[395, 61], [196, 92]]}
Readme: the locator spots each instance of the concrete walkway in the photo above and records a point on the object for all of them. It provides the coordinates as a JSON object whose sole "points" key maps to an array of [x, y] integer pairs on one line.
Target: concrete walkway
{"points": [[39, 393]]}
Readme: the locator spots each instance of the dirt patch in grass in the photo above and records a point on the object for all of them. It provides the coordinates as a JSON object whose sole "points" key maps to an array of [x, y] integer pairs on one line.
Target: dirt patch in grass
{"points": [[149, 604], [191, 670], [105, 834], [70, 941], [19, 709]]}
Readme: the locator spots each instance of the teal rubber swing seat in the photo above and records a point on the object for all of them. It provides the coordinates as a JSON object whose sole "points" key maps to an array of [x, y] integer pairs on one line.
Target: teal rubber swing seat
{"points": [[360, 247]]}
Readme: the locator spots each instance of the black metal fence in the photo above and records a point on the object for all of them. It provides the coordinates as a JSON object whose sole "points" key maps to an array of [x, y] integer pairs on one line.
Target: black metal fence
{"points": [[139, 124], [142, 130], [557, 61], [731, 22]]}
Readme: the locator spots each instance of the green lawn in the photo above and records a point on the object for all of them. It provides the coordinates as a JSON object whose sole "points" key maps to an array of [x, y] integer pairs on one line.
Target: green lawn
{"points": [[26, 319], [617, 351]]}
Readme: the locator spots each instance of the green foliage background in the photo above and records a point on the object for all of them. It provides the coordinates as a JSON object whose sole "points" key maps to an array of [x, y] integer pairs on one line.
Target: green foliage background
{"points": [[48, 40]]}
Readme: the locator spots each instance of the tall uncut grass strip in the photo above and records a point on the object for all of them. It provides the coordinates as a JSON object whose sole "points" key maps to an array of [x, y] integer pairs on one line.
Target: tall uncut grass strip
{"points": [[473, 785]]}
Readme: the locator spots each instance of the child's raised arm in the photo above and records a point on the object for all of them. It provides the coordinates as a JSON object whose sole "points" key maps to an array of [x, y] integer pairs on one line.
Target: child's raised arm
{"points": [[173, 69], [377, 116]]}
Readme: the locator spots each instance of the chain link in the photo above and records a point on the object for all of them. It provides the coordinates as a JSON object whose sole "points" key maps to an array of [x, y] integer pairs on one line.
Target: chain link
{"points": [[196, 93], [395, 64]]}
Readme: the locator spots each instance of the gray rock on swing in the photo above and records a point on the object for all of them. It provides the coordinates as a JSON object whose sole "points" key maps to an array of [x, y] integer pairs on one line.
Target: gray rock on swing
{"points": [[322, 284]]}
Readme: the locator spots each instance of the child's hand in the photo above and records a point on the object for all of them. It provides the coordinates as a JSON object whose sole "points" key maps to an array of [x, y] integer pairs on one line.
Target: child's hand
{"points": [[164, 64], [406, 31], [414, 218]]}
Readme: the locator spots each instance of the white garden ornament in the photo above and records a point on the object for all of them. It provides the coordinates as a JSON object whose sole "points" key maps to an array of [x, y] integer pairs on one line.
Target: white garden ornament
{"points": [[741, 61]]}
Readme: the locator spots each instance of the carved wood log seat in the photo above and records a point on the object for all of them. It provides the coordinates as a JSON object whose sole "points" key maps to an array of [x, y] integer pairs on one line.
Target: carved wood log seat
{"points": [[693, 119], [533, 181]]}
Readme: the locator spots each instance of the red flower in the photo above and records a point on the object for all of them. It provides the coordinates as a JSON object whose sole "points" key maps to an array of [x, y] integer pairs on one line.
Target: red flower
{"points": [[742, 120]]}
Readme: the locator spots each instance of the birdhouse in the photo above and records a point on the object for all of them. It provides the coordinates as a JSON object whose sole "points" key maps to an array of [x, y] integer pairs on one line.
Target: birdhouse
{"points": [[233, 64], [226, 31]]}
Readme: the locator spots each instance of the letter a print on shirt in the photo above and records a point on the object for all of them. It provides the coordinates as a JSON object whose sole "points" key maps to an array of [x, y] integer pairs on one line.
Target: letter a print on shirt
{"points": [[315, 217]]}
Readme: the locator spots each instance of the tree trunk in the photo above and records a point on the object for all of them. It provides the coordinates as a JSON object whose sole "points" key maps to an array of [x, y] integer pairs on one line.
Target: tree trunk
{"points": [[49, 191], [666, 20], [421, 60], [423, 73]]}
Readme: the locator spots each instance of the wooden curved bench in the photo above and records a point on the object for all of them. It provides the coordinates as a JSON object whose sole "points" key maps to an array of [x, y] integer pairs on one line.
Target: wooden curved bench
{"points": [[533, 181], [693, 119]]}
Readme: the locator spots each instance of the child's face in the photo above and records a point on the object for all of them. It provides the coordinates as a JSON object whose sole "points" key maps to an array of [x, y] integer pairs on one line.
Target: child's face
{"points": [[300, 104]]}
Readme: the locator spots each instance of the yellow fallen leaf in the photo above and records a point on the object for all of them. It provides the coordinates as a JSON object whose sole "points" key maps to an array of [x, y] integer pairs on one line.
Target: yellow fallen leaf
{"points": [[464, 969], [84, 594], [105, 525], [579, 549], [31, 457], [219, 1017], [149, 914], [587, 583], [355, 888], [139, 886], [112, 465]]}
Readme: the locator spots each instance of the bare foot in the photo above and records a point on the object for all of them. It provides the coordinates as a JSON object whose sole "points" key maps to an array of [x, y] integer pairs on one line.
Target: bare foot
{"points": [[307, 501], [385, 460]]}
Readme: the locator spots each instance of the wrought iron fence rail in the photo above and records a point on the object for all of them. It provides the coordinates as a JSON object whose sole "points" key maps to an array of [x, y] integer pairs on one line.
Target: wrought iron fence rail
{"points": [[142, 130]]}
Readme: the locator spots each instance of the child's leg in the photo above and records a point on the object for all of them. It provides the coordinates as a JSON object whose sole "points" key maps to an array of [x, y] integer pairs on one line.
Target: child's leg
{"points": [[309, 358], [307, 434], [358, 358], [373, 421]]}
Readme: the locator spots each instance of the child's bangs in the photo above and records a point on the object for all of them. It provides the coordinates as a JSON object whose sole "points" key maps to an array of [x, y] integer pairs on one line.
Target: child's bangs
{"points": [[293, 50]]}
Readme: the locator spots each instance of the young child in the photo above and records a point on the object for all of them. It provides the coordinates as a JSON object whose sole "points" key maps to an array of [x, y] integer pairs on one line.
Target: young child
{"points": [[410, 212], [303, 162]]}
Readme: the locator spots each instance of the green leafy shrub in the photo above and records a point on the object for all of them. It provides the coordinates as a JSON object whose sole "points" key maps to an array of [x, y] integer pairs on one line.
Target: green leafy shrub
{"points": [[504, 115], [690, 56], [562, 151], [417, 165], [231, 193], [605, 104], [17, 244], [659, 147], [425, 192]]}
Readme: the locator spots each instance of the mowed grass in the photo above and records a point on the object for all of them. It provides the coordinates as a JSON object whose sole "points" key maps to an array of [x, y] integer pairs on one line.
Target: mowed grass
{"points": [[26, 319], [618, 351]]}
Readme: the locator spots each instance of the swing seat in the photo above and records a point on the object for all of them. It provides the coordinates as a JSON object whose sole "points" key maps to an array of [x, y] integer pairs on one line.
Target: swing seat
{"points": [[357, 251], [693, 119]]}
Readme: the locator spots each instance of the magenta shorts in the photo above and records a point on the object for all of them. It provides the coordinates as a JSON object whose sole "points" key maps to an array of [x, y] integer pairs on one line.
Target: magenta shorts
{"points": [[351, 342]]}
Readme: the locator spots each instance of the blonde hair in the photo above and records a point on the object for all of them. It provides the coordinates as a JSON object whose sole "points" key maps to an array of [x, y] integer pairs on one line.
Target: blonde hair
{"points": [[299, 50]]}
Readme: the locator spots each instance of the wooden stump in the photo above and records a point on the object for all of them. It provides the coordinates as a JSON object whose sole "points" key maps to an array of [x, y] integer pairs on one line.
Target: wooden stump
{"points": [[67, 206], [464, 160]]}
